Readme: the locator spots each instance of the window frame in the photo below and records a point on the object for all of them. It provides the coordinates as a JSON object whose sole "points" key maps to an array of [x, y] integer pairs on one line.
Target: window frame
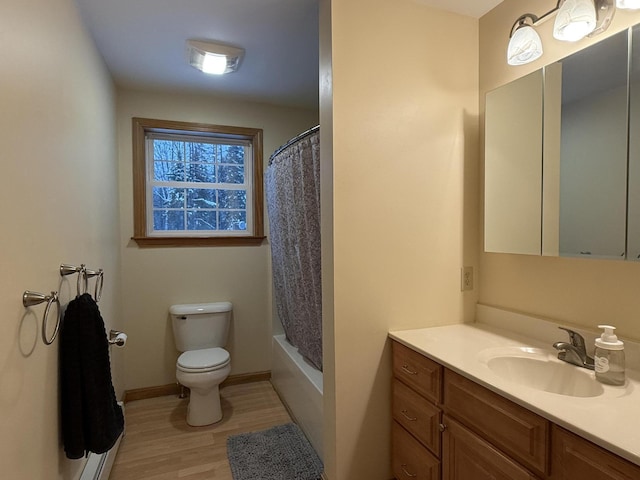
{"points": [[142, 127]]}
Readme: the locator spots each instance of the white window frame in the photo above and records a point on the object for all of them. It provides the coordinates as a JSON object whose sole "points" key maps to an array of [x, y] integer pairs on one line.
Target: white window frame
{"points": [[247, 186]]}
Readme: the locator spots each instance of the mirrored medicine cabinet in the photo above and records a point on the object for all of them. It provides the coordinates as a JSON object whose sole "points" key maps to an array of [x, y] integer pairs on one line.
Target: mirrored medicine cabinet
{"points": [[562, 161]]}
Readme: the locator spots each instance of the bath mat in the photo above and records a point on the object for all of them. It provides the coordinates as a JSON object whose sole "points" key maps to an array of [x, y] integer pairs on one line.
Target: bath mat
{"points": [[279, 453]]}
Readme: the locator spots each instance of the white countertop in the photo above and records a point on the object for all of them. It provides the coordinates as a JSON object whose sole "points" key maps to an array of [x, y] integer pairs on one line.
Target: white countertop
{"points": [[611, 419]]}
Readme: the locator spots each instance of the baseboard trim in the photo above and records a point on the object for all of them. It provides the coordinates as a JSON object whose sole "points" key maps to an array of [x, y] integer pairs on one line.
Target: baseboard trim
{"points": [[175, 388]]}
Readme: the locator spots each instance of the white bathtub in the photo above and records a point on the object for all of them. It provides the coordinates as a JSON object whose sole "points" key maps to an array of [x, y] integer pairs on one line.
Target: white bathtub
{"points": [[299, 385]]}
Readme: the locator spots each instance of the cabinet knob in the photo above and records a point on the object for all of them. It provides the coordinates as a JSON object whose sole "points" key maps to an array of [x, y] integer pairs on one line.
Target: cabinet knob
{"points": [[442, 427]]}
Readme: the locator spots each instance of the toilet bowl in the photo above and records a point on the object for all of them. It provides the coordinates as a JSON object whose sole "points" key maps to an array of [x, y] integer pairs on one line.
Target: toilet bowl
{"points": [[202, 371], [200, 332]]}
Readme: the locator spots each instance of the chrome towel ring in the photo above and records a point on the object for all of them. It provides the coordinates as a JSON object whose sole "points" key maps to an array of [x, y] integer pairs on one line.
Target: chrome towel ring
{"points": [[30, 299]]}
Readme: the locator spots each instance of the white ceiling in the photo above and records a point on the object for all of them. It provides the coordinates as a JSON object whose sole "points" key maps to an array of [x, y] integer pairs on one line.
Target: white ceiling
{"points": [[143, 44]]}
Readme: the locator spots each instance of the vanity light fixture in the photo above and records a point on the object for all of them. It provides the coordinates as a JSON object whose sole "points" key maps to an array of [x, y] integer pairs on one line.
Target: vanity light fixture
{"points": [[575, 19], [628, 4], [213, 58], [525, 44]]}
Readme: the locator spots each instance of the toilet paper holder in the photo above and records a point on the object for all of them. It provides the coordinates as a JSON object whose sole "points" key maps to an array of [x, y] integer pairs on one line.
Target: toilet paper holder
{"points": [[117, 338]]}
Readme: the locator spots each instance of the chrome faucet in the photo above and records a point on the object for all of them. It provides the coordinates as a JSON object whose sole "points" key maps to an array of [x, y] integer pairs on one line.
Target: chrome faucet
{"points": [[575, 351]]}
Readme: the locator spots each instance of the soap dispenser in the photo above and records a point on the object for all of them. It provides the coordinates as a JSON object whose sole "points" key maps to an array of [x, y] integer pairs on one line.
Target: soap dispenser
{"points": [[609, 357]]}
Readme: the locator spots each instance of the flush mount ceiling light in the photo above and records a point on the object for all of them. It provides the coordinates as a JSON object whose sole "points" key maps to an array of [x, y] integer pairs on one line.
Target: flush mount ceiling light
{"points": [[213, 58], [524, 42]]}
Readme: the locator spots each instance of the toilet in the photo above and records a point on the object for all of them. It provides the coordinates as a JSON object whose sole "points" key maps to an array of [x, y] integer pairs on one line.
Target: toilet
{"points": [[200, 331]]}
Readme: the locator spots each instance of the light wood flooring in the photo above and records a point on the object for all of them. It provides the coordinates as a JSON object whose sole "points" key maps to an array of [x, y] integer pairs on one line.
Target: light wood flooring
{"points": [[160, 445]]}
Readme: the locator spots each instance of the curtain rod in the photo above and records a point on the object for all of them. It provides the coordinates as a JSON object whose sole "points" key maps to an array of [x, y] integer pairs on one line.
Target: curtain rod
{"points": [[295, 139]]}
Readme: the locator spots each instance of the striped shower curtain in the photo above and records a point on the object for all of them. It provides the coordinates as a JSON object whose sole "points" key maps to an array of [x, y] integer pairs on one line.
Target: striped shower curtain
{"points": [[292, 187]]}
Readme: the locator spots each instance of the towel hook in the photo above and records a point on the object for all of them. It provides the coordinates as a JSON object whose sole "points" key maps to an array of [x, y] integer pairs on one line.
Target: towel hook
{"points": [[99, 282], [30, 298]]}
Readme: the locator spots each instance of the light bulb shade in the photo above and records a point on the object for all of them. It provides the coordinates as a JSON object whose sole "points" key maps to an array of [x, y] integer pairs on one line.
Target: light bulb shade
{"points": [[575, 20], [628, 4], [213, 58], [524, 46]]}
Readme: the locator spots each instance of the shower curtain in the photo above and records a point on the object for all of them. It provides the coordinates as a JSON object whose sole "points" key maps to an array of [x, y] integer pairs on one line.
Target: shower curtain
{"points": [[292, 187]]}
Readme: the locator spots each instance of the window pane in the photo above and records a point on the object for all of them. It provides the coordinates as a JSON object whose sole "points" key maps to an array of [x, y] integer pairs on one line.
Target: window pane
{"points": [[232, 154], [198, 172], [168, 150], [236, 199], [201, 220], [233, 220], [168, 171], [165, 197], [230, 174], [168, 220], [200, 152], [201, 198]]}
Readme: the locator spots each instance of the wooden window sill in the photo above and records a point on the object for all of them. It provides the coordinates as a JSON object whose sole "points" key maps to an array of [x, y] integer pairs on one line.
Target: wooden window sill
{"points": [[153, 242]]}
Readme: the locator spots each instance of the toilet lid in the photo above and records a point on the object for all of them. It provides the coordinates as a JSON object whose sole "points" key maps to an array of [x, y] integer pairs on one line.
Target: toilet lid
{"points": [[205, 359]]}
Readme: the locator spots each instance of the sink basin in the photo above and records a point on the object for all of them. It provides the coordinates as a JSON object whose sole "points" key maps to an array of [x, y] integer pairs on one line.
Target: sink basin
{"points": [[536, 368]]}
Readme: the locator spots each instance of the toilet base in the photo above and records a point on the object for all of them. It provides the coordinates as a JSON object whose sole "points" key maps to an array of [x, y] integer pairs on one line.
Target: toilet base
{"points": [[204, 409]]}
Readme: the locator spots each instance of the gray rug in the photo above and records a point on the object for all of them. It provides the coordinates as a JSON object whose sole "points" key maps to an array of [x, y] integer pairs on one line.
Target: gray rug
{"points": [[279, 453]]}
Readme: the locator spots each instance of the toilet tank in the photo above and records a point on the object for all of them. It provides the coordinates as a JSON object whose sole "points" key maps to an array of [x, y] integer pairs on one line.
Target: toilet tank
{"points": [[200, 325]]}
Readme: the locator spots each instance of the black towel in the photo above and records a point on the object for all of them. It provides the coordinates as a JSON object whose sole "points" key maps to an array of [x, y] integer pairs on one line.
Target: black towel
{"points": [[92, 420]]}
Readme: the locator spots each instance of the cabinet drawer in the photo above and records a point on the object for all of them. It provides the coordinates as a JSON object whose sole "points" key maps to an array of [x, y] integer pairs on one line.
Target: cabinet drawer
{"points": [[575, 457], [410, 460], [469, 457], [521, 434], [417, 371], [416, 414]]}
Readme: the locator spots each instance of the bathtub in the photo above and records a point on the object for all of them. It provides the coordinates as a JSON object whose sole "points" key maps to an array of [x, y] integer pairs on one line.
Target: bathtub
{"points": [[299, 385]]}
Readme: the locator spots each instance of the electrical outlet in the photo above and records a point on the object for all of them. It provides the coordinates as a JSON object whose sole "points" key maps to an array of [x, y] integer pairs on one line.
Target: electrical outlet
{"points": [[466, 278]]}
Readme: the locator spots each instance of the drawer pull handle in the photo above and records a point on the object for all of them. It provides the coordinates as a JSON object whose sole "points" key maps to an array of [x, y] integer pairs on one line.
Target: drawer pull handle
{"points": [[406, 368], [405, 414], [442, 427], [404, 470]]}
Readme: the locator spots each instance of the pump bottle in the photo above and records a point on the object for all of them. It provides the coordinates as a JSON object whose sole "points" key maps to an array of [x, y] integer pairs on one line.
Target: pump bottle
{"points": [[609, 357]]}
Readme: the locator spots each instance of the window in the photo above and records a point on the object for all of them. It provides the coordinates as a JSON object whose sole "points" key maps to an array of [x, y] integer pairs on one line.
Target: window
{"points": [[196, 184]]}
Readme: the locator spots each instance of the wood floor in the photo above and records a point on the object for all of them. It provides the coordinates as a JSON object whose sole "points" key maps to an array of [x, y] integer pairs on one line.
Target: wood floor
{"points": [[160, 445]]}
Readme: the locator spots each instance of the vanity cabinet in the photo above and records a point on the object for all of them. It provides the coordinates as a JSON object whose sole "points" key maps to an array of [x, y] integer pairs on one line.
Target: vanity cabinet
{"points": [[448, 427]]}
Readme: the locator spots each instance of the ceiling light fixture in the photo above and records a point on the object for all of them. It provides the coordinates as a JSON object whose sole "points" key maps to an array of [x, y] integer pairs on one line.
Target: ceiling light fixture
{"points": [[575, 19], [525, 45], [213, 58]]}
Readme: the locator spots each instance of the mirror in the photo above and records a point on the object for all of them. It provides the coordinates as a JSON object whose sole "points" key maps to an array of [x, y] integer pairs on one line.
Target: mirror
{"points": [[577, 173], [593, 150], [633, 222], [513, 173]]}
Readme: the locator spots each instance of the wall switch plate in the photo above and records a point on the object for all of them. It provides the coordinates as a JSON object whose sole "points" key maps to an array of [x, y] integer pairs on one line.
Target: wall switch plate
{"points": [[466, 278]]}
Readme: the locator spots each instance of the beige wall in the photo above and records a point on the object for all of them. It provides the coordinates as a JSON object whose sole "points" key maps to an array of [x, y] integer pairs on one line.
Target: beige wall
{"points": [[405, 151], [584, 292], [155, 278], [59, 197]]}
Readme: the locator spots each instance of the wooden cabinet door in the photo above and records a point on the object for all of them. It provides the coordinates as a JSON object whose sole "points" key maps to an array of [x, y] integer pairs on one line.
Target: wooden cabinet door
{"points": [[466, 456], [410, 460], [576, 458], [518, 432]]}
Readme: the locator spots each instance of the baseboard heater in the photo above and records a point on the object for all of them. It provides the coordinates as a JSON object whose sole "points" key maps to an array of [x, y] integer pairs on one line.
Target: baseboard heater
{"points": [[99, 465]]}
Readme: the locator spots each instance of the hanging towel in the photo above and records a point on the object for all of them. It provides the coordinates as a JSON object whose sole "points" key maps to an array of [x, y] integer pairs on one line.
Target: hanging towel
{"points": [[91, 419]]}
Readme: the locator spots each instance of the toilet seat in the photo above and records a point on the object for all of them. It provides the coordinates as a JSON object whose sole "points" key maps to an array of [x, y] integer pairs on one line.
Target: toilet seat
{"points": [[205, 360]]}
